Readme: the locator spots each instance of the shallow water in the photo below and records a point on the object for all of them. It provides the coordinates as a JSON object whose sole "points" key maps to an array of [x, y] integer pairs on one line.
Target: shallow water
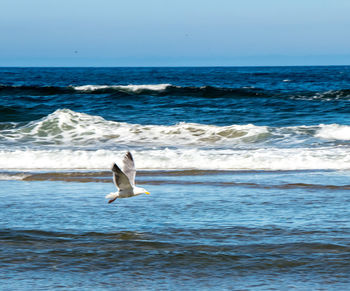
{"points": [[184, 235]]}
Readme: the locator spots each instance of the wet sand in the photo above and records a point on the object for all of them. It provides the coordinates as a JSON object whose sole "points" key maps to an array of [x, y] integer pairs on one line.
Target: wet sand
{"points": [[150, 177]]}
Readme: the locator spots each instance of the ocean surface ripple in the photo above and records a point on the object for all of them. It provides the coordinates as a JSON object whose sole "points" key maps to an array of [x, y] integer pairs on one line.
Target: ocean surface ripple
{"points": [[248, 169]]}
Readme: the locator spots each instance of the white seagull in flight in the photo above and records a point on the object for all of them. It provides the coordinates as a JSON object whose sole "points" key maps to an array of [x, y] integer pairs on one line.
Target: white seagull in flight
{"points": [[124, 180]]}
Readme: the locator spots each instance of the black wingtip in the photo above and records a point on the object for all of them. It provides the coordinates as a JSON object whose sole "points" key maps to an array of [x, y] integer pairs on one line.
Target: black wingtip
{"points": [[115, 168], [129, 156]]}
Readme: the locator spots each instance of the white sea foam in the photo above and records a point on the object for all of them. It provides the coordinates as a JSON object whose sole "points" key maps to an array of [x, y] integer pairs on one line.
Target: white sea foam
{"points": [[259, 159], [13, 176], [70, 140], [68, 128], [130, 88], [334, 132]]}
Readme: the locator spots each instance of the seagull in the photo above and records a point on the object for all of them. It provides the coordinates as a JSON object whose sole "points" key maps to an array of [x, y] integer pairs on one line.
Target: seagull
{"points": [[124, 180]]}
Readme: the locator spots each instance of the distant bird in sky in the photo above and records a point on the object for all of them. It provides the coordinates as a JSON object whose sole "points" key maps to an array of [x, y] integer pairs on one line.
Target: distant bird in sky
{"points": [[124, 180]]}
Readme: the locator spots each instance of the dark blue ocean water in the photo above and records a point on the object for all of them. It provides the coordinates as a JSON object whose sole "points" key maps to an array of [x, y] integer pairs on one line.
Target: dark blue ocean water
{"points": [[248, 169], [273, 96]]}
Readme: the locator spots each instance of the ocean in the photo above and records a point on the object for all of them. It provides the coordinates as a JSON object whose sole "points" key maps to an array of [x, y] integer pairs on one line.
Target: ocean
{"points": [[248, 169]]}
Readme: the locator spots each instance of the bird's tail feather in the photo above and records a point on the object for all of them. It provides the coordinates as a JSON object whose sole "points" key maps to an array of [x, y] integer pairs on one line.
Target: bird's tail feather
{"points": [[112, 196]]}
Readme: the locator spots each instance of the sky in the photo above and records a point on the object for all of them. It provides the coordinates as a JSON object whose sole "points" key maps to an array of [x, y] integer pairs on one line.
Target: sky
{"points": [[174, 33]]}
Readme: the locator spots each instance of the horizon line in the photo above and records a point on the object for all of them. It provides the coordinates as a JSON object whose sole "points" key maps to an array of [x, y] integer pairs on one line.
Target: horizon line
{"points": [[171, 66]]}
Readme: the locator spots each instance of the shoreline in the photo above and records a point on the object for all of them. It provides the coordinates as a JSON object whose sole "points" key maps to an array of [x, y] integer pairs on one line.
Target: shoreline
{"points": [[214, 178]]}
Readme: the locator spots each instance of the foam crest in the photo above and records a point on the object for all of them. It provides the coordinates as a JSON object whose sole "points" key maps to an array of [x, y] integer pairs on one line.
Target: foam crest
{"points": [[66, 127], [206, 91], [334, 132], [130, 88], [333, 95], [60, 127]]}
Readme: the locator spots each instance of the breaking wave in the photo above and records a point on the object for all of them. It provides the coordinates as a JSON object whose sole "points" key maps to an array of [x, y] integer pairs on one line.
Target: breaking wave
{"points": [[69, 128], [65, 127], [67, 139], [334, 132], [172, 90], [148, 89]]}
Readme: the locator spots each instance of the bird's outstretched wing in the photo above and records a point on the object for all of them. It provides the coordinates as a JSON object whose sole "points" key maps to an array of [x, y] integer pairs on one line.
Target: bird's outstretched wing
{"points": [[120, 179], [129, 168]]}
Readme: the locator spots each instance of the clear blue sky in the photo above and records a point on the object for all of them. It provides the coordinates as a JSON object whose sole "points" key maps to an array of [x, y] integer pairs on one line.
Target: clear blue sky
{"points": [[174, 33]]}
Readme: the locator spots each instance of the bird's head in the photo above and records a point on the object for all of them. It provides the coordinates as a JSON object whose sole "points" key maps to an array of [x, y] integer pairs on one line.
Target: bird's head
{"points": [[142, 191], [145, 191]]}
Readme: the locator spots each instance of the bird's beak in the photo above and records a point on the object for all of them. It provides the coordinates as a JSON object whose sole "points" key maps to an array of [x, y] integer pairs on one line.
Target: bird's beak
{"points": [[147, 193]]}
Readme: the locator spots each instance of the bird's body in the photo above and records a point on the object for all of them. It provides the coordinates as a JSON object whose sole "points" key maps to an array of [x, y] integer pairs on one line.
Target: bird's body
{"points": [[124, 180]]}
